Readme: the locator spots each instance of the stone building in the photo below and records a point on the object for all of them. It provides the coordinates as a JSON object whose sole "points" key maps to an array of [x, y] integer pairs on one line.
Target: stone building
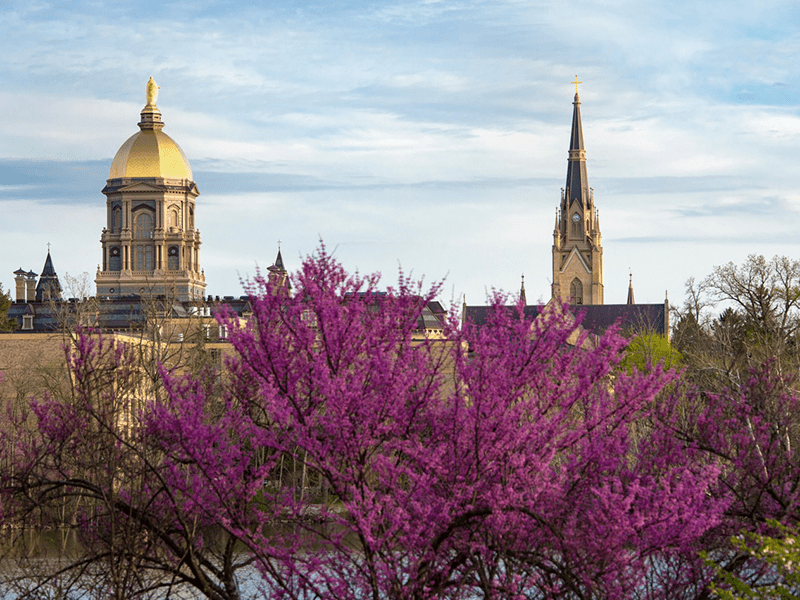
{"points": [[150, 243]]}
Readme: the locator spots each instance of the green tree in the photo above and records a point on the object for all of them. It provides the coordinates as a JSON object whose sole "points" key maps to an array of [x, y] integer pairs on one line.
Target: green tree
{"points": [[648, 349], [5, 304], [739, 317], [778, 555]]}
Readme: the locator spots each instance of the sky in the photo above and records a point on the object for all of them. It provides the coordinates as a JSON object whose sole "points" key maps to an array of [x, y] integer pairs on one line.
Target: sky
{"points": [[424, 135]]}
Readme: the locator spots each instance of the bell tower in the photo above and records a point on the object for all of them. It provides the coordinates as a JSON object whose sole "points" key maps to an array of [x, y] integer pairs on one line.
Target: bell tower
{"points": [[150, 244], [577, 251]]}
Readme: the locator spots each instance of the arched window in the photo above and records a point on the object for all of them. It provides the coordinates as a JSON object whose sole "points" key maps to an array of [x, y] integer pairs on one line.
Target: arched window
{"points": [[144, 226], [173, 218], [191, 218], [116, 220], [143, 248], [576, 291]]}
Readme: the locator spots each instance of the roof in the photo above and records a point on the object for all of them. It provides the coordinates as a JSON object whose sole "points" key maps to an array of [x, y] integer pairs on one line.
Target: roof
{"points": [[597, 318], [150, 153], [577, 187], [116, 314], [48, 270]]}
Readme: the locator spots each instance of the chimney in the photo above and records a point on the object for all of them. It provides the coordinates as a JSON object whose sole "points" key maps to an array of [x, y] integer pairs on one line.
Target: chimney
{"points": [[19, 279], [30, 280]]}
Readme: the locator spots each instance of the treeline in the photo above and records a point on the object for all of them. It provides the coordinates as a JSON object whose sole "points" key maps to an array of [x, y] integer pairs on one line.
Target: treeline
{"points": [[339, 454]]}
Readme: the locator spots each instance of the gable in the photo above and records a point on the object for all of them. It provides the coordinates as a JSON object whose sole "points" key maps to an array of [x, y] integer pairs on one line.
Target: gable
{"points": [[573, 256], [141, 186]]}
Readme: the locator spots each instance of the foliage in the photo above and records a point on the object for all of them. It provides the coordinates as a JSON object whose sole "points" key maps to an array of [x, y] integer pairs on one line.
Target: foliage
{"points": [[740, 317], [737, 332], [346, 456], [5, 304], [496, 462], [648, 349], [779, 555]]}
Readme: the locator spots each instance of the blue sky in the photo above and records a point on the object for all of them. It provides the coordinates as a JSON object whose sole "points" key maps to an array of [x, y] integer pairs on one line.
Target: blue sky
{"points": [[430, 135]]}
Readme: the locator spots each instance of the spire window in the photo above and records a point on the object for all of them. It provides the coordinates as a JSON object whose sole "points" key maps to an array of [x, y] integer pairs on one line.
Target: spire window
{"points": [[576, 291]]}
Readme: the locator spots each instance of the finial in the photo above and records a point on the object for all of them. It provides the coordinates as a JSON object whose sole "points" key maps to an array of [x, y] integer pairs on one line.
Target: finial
{"points": [[152, 92], [279, 245], [576, 82], [630, 287], [151, 116], [48, 247]]}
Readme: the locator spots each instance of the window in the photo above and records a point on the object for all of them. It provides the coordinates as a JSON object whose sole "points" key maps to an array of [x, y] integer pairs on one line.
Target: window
{"points": [[144, 226], [143, 257], [143, 235], [576, 291], [114, 263], [116, 220], [173, 258]]}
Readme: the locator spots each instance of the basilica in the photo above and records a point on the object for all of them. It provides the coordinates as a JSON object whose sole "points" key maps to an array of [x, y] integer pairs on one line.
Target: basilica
{"points": [[578, 257]]}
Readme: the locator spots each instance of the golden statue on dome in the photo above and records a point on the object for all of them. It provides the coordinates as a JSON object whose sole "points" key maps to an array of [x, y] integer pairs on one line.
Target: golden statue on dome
{"points": [[152, 92]]}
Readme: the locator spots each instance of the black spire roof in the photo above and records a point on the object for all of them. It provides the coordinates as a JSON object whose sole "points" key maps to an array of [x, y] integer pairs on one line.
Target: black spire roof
{"points": [[577, 179], [279, 261], [48, 287], [48, 270]]}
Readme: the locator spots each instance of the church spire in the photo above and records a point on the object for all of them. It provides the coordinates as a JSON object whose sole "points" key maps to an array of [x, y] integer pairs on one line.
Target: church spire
{"points": [[577, 187], [630, 289], [577, 250], [48, 288], [523, 298], [279, 261], [278, 275]]}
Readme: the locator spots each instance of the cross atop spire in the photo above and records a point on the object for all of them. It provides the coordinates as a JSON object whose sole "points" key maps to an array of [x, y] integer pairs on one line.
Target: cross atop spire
{"points": [[576, 82]]}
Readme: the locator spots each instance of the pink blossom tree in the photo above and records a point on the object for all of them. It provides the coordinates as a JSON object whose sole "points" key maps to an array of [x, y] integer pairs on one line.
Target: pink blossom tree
{"points": [[495, 461], [350, 457]]}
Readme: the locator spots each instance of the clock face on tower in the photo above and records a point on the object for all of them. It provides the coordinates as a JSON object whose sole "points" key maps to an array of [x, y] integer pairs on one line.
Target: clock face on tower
{"points": [[576, 217]]}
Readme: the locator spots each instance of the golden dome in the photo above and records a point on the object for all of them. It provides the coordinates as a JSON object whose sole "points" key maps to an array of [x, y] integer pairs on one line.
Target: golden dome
{"points": [[150, 152]]}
